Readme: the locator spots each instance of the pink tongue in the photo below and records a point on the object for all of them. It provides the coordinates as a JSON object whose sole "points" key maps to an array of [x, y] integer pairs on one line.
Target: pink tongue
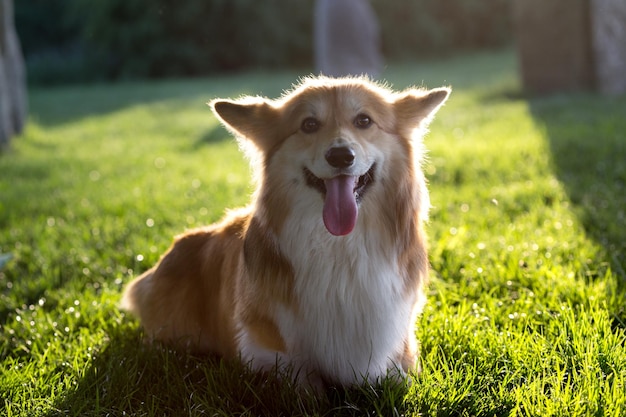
{"points": [[340, 209]]}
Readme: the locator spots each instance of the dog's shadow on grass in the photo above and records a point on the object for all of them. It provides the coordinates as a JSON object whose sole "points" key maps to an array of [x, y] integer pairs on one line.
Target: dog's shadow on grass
{"points": [[215, 134], [131, 377], [588, 147]]}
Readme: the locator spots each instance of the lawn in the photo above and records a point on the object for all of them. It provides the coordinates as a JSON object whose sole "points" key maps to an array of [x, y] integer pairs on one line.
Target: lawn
{"points": [[527, 303]]}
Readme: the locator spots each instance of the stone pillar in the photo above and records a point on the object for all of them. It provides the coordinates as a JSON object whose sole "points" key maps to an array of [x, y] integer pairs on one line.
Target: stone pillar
{"points": [[608, 23]]}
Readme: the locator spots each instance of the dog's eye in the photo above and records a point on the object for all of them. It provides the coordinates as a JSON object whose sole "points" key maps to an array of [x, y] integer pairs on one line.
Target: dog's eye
{"points": [[310, 125], [362, 121]]}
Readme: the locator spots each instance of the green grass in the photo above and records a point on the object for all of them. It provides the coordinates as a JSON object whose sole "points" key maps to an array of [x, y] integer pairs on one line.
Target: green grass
{"points": [[527, 304]]}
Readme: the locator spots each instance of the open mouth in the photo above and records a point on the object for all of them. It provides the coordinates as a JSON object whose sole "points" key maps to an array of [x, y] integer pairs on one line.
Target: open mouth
{"points": [[361, 185], [342, 195]]}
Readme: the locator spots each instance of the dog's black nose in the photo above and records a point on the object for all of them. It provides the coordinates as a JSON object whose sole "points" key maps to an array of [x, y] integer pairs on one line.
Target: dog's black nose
{"points": [[340, 156]]}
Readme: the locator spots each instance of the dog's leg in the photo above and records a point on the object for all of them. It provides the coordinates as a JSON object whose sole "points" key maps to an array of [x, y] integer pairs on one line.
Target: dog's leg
{"points": [[263, 359], [409, 356]]}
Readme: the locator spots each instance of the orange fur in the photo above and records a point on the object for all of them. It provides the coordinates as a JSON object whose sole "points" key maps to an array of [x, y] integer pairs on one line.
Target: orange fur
{"points": [[269, 282]]}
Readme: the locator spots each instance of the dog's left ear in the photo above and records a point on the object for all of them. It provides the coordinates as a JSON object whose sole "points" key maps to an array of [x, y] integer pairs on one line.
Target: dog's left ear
{"points": [[252, 118], [415, 108]]}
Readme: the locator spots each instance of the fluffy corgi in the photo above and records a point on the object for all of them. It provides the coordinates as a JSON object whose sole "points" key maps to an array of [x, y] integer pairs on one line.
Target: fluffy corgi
{"points": [[324, 271]]}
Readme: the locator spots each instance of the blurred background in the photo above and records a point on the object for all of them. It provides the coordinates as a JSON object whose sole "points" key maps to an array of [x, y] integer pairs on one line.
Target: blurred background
{"points": [[67, 41]]}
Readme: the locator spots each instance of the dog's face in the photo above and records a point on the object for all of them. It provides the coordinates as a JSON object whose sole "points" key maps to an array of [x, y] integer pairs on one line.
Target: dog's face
{"points": [[334, 143]]}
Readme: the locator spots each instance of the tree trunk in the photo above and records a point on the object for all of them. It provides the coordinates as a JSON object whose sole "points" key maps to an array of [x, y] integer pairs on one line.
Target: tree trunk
{"points": [[13, 101], [346, 38], [6, 128], [553, 43], [571, 44]]}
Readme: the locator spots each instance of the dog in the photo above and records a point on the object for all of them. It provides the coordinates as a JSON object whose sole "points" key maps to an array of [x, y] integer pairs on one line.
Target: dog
{"points": [[324, 272]]}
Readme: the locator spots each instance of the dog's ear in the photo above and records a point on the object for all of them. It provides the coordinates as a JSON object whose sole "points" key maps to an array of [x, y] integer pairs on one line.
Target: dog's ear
{"points": [[415, 108], [252, 118]]}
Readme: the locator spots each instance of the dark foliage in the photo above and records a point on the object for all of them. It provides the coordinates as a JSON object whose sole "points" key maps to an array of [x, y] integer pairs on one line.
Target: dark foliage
{"points": [[79, 40]]}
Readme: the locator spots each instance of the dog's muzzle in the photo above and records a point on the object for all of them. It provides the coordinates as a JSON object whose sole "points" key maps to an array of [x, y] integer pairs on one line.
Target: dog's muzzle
{"points": [[342, 194]]}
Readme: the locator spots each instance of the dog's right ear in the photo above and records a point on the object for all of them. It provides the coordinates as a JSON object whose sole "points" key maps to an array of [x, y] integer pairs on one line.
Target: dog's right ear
{"points": [[252, 118]]}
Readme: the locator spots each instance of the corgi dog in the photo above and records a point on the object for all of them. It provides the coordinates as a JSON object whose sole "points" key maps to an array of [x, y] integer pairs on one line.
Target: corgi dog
{"points": [[324, 272]]}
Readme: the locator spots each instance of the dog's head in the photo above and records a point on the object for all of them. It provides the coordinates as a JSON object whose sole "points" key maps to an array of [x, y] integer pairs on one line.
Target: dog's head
{"points": [[340, 139]]}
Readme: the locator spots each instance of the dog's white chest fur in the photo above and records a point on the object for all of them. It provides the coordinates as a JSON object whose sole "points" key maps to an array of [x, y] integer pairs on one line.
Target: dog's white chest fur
{"points": [[351, 311]]}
